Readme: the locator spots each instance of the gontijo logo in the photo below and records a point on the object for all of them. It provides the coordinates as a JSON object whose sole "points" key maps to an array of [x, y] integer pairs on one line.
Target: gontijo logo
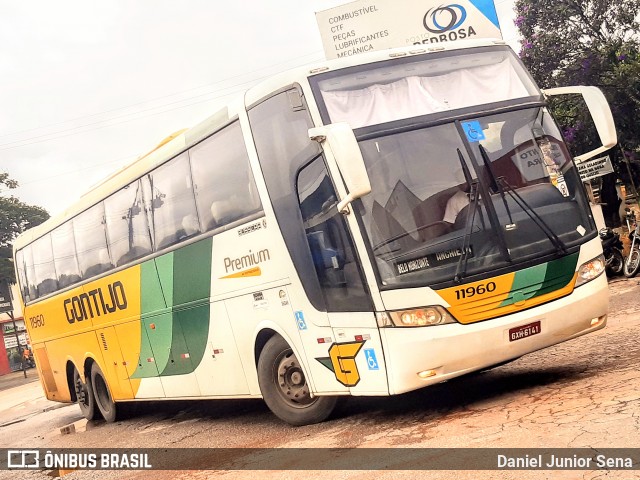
{"points": [[342, 362], [95, 303], [453, 15]]}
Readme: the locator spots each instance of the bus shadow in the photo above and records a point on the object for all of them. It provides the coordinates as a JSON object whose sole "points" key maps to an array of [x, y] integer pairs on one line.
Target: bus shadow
{"points": [[451, 397], [459, 394], [188, 410]]}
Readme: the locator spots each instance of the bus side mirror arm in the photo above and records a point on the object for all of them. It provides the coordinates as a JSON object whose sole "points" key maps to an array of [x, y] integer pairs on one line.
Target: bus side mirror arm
{"points": [[600, 112], [338, 140]]}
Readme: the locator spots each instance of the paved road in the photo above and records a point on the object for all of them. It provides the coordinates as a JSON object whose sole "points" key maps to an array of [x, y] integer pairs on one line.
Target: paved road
{"points": [[583, 393]]}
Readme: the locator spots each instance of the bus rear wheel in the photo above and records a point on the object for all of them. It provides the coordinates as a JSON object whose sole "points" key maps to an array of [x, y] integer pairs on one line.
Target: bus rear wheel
{"points": [[103, 400], [84, 396], [284, 386]]}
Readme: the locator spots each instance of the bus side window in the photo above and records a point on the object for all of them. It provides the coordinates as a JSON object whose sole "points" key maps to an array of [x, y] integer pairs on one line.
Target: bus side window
{"points": [[91, 242], [29, 290], [223, 180], [331, 248], [46, 281], [64, 255], [171, 201], [22, 275], [127, 228]]}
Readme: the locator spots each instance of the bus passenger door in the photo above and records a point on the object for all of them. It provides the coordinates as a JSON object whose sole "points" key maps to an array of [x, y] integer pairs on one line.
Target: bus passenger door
{"points": [[321, 250], [355, 355]]}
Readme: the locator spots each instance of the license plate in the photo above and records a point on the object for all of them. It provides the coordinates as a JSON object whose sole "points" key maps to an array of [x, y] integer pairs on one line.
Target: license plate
{"points": [[524, 331]]}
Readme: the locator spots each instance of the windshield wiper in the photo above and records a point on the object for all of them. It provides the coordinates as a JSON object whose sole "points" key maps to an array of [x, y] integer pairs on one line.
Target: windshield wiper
{"points": [[501, 185], [495, 186], [472, 186]]}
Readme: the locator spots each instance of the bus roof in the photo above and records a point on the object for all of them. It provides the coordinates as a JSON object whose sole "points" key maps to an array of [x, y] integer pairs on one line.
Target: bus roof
{"points": [[265, 88]]}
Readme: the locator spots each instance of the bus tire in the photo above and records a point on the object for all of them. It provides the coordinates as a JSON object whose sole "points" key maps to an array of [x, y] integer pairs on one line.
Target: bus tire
{"points": [[103, 400], [84, 396], [284, 386]]}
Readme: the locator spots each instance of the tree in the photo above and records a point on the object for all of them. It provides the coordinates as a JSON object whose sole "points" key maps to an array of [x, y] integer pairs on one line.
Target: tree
{"points": [[15, 218], [587, 42]]}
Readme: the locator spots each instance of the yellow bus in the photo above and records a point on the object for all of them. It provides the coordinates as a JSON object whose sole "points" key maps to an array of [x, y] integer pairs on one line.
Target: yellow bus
{"points": [[365, 226]]}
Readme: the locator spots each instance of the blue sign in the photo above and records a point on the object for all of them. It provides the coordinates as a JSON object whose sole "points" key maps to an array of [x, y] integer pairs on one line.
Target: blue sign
{"points": [[302, 325], [372, 361], [473, 130], [488, 9]]}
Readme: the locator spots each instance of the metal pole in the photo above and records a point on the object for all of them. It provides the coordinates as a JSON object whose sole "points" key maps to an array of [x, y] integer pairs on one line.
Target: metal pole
{"points": [[20, 350]]}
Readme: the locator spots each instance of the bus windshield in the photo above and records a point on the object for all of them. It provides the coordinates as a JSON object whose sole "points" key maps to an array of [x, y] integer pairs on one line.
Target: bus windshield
{"points": [[470, 196]]}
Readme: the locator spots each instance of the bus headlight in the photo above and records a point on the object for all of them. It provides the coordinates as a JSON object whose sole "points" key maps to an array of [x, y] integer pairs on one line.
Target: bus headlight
{"points": [[590, 270], [416, 317]]}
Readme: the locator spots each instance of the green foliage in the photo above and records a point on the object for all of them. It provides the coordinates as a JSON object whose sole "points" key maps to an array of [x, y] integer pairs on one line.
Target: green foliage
{"points": [[587, 42], [15, 218]]}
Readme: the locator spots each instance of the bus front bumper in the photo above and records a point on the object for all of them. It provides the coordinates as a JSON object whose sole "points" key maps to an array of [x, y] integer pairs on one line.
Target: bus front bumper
{"points": [[417, 357]]}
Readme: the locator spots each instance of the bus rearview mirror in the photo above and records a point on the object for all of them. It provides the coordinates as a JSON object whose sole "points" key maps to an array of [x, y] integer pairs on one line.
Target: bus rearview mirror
{"points": [[600, 112], [339, 139]]}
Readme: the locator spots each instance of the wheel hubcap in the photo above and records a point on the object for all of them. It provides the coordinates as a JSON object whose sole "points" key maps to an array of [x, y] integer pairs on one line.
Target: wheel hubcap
{"points": [[291, 380]]}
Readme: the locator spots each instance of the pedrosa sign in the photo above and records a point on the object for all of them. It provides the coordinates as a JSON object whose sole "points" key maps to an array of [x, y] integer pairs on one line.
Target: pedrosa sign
{"points": [[364, 26]]}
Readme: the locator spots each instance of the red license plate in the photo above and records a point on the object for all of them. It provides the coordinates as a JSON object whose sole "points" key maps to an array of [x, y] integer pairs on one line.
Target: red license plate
{"points": [[524, 331]]}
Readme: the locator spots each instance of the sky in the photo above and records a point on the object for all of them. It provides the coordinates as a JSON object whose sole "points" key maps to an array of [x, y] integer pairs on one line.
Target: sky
{"points": [[87, 87]]}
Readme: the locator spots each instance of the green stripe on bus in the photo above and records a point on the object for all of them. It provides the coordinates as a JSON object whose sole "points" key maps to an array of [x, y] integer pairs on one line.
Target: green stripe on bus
{"points": [[529, 280], [151, 299], [151, 302], [192, 282], [541, 279], [175, 311], [559, 274], [192, 272], [164, 264]]}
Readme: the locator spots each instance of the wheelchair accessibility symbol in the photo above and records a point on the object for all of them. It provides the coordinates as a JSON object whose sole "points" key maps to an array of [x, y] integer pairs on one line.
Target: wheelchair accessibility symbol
{"points": [[302, 325], [473, 130], [372, 362]]}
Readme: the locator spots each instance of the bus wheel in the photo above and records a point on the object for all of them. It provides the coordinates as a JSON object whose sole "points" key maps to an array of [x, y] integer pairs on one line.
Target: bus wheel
{"points": [[284, 386], [104, 402], [84, 395]]}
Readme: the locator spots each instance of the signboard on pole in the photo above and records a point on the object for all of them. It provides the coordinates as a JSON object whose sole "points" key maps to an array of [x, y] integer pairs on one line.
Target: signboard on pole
{"points": [[594, 168], [367, 25], [5, 297], [12, 342]]}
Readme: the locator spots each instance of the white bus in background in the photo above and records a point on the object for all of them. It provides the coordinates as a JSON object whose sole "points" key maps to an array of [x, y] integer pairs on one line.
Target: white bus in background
{"points": [[365, 226]]}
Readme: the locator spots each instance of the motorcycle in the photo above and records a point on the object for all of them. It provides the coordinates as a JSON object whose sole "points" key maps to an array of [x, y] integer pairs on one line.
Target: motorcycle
{"points": [[28, 360], [632, 263], [612, 248]]}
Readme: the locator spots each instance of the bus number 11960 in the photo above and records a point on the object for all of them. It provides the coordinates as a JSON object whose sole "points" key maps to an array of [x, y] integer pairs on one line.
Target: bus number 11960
{"points": [[480, 289]]}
